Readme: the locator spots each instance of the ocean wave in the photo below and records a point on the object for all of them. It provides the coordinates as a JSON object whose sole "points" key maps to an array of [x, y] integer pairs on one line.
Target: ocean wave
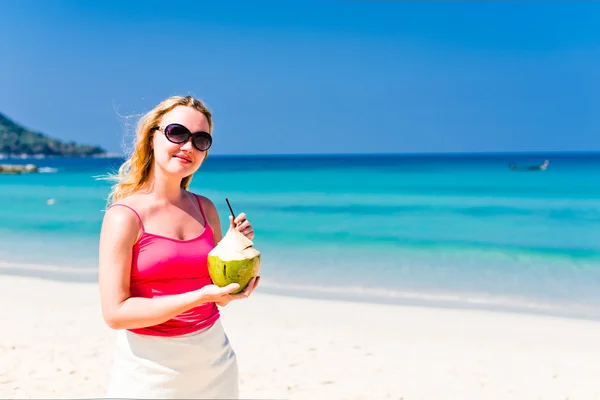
{"points": [[440, 244], [47, 170], [589, 214], [28, 267], [442, 299], [466, 299]]}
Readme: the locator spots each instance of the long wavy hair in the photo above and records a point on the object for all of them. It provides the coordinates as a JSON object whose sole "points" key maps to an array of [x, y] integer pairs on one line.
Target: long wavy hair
{"points": [[134, 173]]}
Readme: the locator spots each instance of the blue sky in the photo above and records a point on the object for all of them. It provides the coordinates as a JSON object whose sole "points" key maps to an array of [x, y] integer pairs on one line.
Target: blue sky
{"points": [[311, 77]]}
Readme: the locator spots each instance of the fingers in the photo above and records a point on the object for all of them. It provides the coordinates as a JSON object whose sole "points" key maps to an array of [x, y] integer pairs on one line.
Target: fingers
{"points": [[248, 290], [230, 288], [255, 282], [245, 228], [239, 219], [241, 224], [251, 286], [248, 232]]}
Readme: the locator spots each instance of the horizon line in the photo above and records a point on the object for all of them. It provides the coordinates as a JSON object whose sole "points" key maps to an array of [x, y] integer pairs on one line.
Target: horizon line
{"points": [[440, 153], [365, 154]]}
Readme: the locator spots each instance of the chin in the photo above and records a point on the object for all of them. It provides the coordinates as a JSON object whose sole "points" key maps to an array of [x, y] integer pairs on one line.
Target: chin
{"points": [[181, 171]]}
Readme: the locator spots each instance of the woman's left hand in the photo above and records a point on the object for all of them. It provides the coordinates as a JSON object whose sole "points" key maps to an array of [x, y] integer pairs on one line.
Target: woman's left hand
{"points": [[243, 295], [242, 225]]}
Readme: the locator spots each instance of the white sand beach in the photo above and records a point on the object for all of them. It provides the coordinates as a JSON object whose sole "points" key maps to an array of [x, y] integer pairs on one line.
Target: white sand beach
{"points": [[55, 345]]}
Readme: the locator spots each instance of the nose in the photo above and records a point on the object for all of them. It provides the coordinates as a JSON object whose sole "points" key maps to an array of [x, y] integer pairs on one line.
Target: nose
{"points": [[187, 145]]}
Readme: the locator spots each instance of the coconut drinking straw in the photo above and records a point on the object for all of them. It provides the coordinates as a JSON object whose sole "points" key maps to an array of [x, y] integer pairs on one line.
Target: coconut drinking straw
{"points": [[230, 209]]}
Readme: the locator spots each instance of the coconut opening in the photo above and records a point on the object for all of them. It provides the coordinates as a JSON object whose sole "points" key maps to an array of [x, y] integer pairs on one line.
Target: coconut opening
{"points": [[234, 246]]}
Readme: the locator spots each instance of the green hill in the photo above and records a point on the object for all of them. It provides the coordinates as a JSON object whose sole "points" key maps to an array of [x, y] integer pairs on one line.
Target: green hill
{"points": [[15, 139]]}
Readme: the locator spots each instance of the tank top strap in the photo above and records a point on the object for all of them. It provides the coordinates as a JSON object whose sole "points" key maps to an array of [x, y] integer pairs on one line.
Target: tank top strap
{"points": [[135, 212], [201, 209]]}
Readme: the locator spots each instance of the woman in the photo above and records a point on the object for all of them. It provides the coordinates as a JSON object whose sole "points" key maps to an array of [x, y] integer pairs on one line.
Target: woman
{"points": [[154, 283]]}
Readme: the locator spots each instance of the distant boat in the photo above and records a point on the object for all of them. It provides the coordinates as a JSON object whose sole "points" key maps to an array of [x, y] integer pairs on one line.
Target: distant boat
{"points": [[540, 167]]}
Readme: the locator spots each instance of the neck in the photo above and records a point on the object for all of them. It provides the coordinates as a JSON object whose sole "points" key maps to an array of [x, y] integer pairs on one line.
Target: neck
{"points": [[166, 188]]}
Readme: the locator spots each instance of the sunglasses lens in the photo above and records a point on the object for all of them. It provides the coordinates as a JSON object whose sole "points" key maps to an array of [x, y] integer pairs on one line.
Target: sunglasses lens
{"points": [[203, 142], [177, 134]]}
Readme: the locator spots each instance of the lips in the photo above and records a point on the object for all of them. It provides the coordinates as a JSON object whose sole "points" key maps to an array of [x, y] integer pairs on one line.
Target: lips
{"points": [[183, 158]]}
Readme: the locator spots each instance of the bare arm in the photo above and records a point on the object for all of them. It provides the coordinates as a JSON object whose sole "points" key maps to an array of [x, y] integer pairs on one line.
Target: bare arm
{"points": [[120, 310]]}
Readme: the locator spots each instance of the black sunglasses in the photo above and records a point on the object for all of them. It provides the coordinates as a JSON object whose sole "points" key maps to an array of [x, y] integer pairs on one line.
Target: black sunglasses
{"points": [[176, 133]]}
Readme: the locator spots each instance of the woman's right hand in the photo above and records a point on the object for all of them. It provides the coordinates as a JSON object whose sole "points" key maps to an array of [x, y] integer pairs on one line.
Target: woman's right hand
{"points": [[216, 294]]}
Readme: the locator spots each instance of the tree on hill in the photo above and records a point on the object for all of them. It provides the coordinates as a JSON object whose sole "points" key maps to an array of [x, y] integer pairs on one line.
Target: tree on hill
{"points": [[15, 139]]}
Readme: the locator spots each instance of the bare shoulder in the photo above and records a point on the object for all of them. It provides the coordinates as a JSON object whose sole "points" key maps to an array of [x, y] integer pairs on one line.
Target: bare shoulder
{"points": [[121, 219], [209, 208], [207, 204], [212, 215], [138, 201], [123, 210]]}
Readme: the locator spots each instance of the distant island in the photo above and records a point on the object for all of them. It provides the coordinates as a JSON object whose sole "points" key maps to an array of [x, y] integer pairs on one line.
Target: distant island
{"points": [[18, 141]]}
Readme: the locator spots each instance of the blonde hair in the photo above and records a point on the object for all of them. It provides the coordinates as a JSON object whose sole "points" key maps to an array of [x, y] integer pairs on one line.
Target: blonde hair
{"points": [[134, 173]]}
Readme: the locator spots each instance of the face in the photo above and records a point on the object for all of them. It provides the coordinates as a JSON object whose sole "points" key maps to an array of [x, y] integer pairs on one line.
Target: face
{"points": [[181, 159]]}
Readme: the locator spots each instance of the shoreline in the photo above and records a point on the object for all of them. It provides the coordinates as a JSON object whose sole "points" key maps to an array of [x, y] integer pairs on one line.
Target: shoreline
{"points": [[58, 346], [448, 301]]}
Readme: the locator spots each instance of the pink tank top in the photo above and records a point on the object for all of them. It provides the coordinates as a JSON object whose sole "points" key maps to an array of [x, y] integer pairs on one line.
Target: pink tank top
{"points": [[163, 266]]}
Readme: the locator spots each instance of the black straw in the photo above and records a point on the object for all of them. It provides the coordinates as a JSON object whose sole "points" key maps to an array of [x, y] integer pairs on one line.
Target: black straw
{"points": [[230, 209]]}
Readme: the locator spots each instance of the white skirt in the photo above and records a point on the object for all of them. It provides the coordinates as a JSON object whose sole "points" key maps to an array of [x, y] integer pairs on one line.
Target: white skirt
{"points": [[201, 365]]}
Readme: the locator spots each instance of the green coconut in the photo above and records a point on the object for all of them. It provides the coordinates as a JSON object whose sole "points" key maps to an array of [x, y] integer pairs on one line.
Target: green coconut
{"points": [[233, 260]]}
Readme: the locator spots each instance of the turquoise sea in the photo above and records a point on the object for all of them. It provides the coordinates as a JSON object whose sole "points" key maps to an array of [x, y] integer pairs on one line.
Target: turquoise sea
{"points": [[447, 230]]}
